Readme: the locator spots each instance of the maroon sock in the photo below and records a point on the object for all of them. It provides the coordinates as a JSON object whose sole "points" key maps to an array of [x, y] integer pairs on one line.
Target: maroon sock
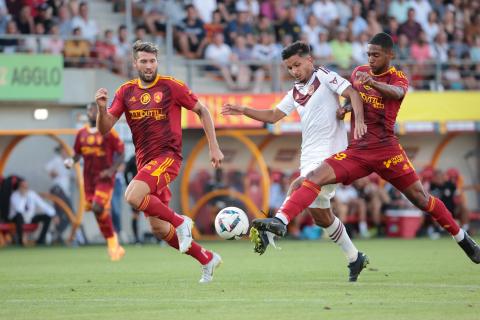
{"points": [[153, 206], [440, 213], [105, 224], [300, 199], [196, 251]]}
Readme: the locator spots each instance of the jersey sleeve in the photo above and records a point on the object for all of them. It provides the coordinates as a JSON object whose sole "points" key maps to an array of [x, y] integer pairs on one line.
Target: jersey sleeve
{"points": [[399, 79], [333, 80], [287, 105], [117, 107], [184, 96], [76, 145]]}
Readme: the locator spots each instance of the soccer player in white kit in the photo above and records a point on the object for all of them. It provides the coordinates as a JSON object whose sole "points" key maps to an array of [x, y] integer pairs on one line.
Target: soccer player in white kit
{"points": [[315, 97]]}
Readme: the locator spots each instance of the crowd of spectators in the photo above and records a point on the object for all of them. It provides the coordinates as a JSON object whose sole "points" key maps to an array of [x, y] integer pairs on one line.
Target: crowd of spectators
{"points": [[438, 41]]}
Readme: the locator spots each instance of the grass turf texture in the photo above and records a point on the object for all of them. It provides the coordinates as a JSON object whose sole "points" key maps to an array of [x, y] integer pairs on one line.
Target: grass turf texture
{"points": [[413, 279]]}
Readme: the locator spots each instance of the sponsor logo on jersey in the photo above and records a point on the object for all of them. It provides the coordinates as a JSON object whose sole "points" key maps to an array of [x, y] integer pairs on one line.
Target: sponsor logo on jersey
{"points": [[145, 98], [394, 160], [375, 102], [96, 151], [147, 113], [334, 81], [157, 97]]}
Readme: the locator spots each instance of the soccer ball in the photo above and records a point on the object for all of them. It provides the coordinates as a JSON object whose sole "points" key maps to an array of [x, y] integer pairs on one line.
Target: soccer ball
{"points": [[231, 223]]}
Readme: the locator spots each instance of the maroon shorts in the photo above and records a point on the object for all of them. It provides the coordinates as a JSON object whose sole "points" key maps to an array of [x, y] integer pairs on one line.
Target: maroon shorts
{"points": [[390, 162], [158, 173]]}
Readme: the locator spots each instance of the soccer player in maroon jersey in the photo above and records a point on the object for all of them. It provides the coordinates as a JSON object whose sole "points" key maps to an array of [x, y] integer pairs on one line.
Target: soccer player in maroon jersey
{"points": [[152, 105], [382, 89], [102, 154]]}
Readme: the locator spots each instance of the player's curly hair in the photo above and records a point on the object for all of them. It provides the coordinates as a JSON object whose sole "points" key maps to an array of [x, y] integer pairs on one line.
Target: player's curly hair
{"points": [[141, 46], [298, 47], [383, 40]]}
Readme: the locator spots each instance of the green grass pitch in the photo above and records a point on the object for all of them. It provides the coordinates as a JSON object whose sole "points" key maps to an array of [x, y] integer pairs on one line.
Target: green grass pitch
{"points": [[407, 279]]}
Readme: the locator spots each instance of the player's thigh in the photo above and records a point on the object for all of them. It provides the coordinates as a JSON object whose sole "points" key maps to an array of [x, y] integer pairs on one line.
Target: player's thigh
{"points": [[347, 166], [159, 172]]}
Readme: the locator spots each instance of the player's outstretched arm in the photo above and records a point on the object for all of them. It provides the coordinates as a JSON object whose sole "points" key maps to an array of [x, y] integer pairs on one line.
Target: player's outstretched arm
{"points": [[105, 120], [357, 106], [386, 90], [216, 155], [269, 116]]}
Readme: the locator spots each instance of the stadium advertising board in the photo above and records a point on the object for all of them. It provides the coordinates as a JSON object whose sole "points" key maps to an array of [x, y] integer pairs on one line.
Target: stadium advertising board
{"points": [[215, 101], [31, 77]]}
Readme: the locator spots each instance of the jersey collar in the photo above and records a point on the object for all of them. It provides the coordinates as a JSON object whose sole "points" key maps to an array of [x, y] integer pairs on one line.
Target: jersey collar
{"points": [[390, 70], [139, 83]]}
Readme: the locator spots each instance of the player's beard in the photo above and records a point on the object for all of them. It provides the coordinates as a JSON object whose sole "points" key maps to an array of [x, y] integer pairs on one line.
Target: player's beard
{"points": [[146, 78]]}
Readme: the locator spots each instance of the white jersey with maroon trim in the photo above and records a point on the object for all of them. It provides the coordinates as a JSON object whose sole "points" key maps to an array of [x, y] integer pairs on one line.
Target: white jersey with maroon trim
{"points": [[317, 102]]}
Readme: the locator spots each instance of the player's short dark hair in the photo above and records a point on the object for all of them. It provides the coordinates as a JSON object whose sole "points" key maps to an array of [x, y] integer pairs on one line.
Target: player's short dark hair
{"points": [[383, 40], [143, 46], [298, 47]]}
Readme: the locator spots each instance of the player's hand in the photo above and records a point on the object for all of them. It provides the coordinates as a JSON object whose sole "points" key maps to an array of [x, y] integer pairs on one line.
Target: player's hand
{"points": [[68, 163], [360, 129], [229, 109], [341, 112], [216, 157], [364, 78], [101, 97]]}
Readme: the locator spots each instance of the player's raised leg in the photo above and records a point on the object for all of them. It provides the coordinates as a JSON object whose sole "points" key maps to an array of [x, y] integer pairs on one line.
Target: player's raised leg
{"points": [[208, 259], [436, 208], [298, 201]]}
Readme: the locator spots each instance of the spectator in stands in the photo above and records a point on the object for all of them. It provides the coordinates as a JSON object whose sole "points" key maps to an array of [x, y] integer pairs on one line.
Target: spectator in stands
{"points": [[312, 29], [4, 18], [449, 25], [344, 9], [54, 44], [273, 9], [359, 24], [288, 25], [265, 51], [359, 49], [440, 47], [475, 50], [341, 50], [220, 54], [24, 21], [106, 51], [264, 25], [458, 44], [242, 54], [399, 10], [191, 34], [9, 45], [304, 10], [34, 43], [392, 29], [420, 50], [87, 26], [451, 75], [26, 206], [239, 26], [61, 188], [14, 7], [227, 9], [472, 29], [215, 25], [140, 33], [431, 27], [77, 50], [422, 9], [64, 21], [44, 16], [411, 28], [402, 50], [154, 16], [323, 50], [205, 9], [250, 6], [326, 12], [374, 26]]}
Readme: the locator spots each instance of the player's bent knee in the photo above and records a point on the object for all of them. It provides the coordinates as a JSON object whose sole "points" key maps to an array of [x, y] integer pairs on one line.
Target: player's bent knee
{"points": [[133, 200], [97, 209]]}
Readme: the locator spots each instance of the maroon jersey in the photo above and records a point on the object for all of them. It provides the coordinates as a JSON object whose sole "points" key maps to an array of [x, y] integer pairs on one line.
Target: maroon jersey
{"points": [[98, 153], [154, 115], [380, 112]]}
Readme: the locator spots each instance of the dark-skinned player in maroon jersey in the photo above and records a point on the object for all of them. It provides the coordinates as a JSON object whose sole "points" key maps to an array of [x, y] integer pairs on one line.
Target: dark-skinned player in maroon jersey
{"points": [[152, 105], [102, 155], [382, 89]]}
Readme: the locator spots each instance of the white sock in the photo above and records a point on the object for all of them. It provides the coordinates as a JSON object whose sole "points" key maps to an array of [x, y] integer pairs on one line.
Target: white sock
{"points": [[338, 234], [459, 236], [280, 215]]}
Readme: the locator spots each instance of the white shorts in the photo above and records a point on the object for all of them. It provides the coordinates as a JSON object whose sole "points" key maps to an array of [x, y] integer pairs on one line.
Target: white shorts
{"points": [[327, 192]]}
